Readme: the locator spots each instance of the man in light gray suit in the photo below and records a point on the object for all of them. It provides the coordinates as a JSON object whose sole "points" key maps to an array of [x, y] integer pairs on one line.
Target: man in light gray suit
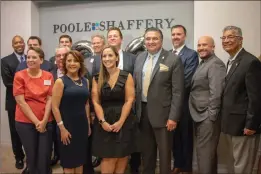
{"points": [[159, 82], [204, 104]]}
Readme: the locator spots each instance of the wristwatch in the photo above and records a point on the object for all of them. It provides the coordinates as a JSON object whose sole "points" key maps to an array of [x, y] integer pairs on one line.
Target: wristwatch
{"points": [[102, 121]]}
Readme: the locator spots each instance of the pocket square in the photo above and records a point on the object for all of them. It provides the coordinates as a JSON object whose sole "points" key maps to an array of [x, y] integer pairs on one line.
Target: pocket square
{"points": [[164, 67]]}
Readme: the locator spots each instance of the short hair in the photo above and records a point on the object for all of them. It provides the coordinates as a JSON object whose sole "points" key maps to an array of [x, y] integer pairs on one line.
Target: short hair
{"points": [[154, 29], [35, 38], [67, 48], [99, 36], [234, 28], [117, 29], [65, 36], [79, 58], [179, 26], [38, 50]]}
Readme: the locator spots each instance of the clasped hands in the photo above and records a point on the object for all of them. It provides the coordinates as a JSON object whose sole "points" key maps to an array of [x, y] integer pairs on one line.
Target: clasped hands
{"points": [[112, 128], [171, 125], [41, 126]]}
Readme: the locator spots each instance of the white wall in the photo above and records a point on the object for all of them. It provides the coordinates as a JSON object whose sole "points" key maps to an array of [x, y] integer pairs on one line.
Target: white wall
{"points": [[16, 19], [210, 17]]}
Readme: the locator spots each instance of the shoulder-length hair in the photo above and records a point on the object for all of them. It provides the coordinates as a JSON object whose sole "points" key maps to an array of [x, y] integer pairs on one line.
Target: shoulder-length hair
{"points": [[103, 74], [79, 58]]}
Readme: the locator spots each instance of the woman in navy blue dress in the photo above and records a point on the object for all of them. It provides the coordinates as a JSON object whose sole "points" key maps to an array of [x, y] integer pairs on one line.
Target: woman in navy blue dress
{"points": [[70, 104]]}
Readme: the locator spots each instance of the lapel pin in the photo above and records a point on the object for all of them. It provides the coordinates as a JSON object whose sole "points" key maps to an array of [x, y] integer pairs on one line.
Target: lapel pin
{"points": [[163, 57]]}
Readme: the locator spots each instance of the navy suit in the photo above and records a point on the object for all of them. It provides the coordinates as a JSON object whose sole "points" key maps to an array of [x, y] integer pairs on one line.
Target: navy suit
{"points": [[46, 66], [183, 136]]}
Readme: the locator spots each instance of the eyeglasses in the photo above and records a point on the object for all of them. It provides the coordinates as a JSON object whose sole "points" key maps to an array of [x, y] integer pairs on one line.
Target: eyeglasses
{"points": [[60, 55], [230, 37]]}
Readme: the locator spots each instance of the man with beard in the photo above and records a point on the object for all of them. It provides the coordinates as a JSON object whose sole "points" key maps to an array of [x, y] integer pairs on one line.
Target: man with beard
{"points": [[204, 104], [8, 69]]}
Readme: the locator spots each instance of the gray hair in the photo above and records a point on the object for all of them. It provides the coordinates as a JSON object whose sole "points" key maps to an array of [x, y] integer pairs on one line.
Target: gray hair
{"points": [[99, 36], [234, 28], [67, 48]]}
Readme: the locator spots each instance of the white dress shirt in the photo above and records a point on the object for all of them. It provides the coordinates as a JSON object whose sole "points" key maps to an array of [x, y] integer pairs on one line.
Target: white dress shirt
{"points": [[120, 66], [178, 49]]}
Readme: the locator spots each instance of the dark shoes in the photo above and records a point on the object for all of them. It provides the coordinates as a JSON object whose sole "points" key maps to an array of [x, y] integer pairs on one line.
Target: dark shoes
{"points": [[54, 160], [19, 164]]}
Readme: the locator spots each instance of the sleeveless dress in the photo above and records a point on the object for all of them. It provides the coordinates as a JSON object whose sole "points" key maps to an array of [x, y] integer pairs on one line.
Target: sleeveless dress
{"points": [[111, 144], [72, 108]]}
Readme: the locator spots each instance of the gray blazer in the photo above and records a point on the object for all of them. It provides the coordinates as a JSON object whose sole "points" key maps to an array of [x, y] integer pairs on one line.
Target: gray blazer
{"points": [[206, 89], [166, 89]]}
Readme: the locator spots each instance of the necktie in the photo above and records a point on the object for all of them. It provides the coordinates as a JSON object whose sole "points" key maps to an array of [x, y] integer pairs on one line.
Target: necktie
{"points": [[175, 52], [22, 59], [147, 75], [229, 64]]}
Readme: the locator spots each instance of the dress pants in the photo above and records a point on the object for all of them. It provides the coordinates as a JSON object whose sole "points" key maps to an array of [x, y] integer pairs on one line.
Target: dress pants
{"points": [[154, 138], [241, 153], [37, 147], [207, 135], [183, 139], [55, 141], [16, 141]]}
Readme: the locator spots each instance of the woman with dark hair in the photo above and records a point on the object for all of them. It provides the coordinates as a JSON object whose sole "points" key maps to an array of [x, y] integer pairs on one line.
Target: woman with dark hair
{"points": [[70, 104], [113, 95], [32, 90]]}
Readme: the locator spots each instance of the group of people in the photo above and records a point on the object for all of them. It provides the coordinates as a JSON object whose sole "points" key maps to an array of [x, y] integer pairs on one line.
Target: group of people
{"points": [[116, 105]]}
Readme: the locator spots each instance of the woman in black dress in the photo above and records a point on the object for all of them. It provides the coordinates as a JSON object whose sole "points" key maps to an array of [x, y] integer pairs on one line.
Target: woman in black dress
{"points": [[71, 110], [112, 95]]}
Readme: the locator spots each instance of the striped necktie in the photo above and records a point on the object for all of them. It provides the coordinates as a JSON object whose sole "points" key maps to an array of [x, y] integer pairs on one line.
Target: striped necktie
{"points": [[147, 75]]}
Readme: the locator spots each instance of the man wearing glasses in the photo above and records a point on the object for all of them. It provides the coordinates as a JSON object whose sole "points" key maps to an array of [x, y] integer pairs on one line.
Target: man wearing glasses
{"points": [[240, 109]]}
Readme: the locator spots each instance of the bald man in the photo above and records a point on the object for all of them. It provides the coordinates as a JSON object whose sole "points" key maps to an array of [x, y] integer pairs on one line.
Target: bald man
{"points": [[8, 69], [204, 104]]}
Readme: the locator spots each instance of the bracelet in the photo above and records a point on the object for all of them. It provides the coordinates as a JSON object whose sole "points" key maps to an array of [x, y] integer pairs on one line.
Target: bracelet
{"points": [[60, 123]]}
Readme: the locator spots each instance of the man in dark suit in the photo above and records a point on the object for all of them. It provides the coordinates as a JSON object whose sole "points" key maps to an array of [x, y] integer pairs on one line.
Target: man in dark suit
{"points": [[159, 82], [64, 41], [127, 60], [8, 69], [240, 111], [35, 41], [204, 103], [183, 135]]}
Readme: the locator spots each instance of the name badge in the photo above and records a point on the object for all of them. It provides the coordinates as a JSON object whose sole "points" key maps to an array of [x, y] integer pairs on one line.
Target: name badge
{"points": [[47, 82], [91, 60]]}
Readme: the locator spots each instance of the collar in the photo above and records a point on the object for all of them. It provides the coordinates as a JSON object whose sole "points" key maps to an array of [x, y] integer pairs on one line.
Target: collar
{"points": [[235, 55], [179, 48], [19, 56], [156, 54], [120, 51]]}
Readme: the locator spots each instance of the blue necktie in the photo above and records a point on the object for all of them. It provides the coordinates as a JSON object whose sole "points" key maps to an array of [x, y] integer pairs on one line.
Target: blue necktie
{"points": [[22, 59]]}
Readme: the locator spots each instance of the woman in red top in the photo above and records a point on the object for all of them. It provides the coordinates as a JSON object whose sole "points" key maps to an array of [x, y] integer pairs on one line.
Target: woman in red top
{"points": [[32, 90]]}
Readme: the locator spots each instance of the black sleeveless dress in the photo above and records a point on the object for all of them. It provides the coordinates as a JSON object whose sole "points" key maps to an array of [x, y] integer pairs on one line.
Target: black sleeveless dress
{"points": [[111, 144], [74, 117]]}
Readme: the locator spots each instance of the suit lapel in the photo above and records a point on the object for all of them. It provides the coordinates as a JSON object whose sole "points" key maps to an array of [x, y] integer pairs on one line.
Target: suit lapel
{"points": [[15, 60], [182, 52], [161, 58], [234, 66], [125, 61], [142, 61]]}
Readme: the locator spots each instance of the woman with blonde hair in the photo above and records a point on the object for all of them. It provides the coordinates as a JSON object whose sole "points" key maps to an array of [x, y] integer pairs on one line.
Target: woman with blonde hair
{"points": [[113, 95]]}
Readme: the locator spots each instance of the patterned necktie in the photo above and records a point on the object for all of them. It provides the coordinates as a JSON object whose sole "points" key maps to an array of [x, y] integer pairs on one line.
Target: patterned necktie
{"points": [[147, 75], [229, 64], [175, 52], [22, 59]]}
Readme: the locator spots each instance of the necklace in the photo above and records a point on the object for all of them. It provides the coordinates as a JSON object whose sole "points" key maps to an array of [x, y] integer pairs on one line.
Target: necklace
{"points": [[76, 82]]}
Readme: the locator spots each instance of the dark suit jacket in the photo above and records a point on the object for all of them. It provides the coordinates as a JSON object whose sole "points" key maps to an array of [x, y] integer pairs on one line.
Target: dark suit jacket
{"points": [[46, 66], [166, 89], [128, 62], [8, 69], [190, 61], [241, 98], [52, 60]]}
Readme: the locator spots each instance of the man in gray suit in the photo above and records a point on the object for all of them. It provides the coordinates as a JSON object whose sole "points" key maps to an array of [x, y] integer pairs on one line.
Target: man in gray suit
{"points": [[159, 82], [204, 104]]}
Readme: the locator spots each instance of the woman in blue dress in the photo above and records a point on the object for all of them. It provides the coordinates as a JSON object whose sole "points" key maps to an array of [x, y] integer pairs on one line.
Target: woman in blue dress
{"points": [[70, 105]]}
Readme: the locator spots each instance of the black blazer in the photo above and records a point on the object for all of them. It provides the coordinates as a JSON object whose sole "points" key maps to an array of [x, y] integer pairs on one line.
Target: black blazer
{"points": [[128, 62], [8, 69], [242, 96]]}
